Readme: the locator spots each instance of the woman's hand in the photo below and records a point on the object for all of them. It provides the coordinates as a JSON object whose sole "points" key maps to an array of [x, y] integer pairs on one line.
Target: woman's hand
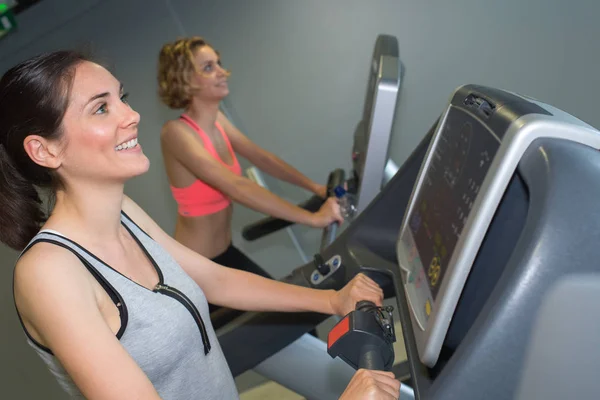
{"points": [[328, 213], [372, 385], [361, 287]]}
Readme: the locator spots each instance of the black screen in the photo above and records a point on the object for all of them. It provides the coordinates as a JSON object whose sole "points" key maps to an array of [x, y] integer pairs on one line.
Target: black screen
{"points": [[457, 168]]}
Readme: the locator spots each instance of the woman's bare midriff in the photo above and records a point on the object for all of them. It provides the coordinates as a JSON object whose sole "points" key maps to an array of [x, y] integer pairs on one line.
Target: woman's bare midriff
{"points": [[209, 235]]}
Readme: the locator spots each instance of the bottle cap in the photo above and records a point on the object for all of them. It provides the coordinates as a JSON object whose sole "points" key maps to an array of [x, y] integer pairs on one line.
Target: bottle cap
{"points": [[339, 191]]}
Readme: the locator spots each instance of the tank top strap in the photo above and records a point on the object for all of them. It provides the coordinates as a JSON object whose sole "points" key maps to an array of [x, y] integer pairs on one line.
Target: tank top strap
{"points": [[192, 124]]}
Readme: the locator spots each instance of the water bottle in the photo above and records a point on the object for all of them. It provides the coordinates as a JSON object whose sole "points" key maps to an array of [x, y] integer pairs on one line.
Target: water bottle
{"points": [[346, 202]]}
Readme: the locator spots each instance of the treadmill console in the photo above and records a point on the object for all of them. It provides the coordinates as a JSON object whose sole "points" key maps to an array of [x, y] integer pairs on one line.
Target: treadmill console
{"points": [[472, 157], [460, 159], [495, 207]]}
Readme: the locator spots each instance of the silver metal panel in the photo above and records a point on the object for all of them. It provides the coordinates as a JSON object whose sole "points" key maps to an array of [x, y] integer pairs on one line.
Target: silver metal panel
{"points": [[521, 133], [379, 131], [373, 133]]}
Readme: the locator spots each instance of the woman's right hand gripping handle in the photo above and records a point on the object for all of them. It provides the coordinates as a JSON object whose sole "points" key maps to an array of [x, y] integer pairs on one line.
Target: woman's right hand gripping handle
{"points": [[328, 214], [372, 385]]}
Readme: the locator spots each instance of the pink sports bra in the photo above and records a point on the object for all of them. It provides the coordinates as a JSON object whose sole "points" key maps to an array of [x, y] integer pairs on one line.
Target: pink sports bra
{"points": [[200, 198]]}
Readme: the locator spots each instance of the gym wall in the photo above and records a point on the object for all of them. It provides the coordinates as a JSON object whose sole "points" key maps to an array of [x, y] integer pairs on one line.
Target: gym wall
{"points": [[297, 88]]}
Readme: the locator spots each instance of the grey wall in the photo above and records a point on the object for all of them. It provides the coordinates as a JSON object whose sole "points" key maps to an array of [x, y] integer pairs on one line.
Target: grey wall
{"points": [[299, 73]]}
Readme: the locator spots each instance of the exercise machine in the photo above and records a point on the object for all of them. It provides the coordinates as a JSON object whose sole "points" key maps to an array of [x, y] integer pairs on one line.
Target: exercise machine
{"points": [[493, 210], [489, 222]]}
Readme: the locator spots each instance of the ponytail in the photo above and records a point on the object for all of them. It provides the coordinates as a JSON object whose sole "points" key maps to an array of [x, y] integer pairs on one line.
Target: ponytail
{"points": [[21, 212], [34, 96]]}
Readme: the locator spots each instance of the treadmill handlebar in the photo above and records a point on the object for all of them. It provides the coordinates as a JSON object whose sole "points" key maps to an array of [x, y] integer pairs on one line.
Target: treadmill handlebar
{"points": [[336, 178], [370, 358], [268, 225], [364, 338]]}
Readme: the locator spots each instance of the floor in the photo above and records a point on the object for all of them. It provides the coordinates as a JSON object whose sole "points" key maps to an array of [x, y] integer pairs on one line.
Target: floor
{"points": [[252, 386]]}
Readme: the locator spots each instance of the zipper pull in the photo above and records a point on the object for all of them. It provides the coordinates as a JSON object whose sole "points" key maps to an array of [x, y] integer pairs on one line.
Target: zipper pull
{"points": [[159, 286]]}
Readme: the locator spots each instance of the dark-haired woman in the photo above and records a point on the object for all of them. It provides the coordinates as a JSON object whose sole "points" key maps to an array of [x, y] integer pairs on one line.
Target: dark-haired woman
{"points": [[115, 307]]}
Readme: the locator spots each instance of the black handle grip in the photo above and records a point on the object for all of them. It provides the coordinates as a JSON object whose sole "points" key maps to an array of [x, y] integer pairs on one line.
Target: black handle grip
{"points": [[268, 225], [336, 178], [365, 305], [370, 358]]}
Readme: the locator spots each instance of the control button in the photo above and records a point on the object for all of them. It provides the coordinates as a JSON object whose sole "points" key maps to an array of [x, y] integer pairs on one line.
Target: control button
{"points": [[428, 308], [322, 266], [336, 262], [315, 276]]}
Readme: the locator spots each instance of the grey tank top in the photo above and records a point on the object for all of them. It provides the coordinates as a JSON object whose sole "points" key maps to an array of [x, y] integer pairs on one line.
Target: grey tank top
{"points": [[167, 331]]}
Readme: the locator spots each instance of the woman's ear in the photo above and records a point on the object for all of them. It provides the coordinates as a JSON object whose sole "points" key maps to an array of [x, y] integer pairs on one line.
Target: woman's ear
{"points": [[43, 152]]}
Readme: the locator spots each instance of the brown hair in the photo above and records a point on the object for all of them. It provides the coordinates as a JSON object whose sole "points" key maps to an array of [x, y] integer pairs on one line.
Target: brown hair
{"points": [[34, 97], [175, 68]]}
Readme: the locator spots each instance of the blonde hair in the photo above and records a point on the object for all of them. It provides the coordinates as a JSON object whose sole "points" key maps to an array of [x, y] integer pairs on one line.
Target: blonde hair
{"points": [[175, 68]]}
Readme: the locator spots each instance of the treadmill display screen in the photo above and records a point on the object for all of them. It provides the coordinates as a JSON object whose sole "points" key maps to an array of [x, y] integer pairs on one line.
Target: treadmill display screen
{"points": [[457, 168]]}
